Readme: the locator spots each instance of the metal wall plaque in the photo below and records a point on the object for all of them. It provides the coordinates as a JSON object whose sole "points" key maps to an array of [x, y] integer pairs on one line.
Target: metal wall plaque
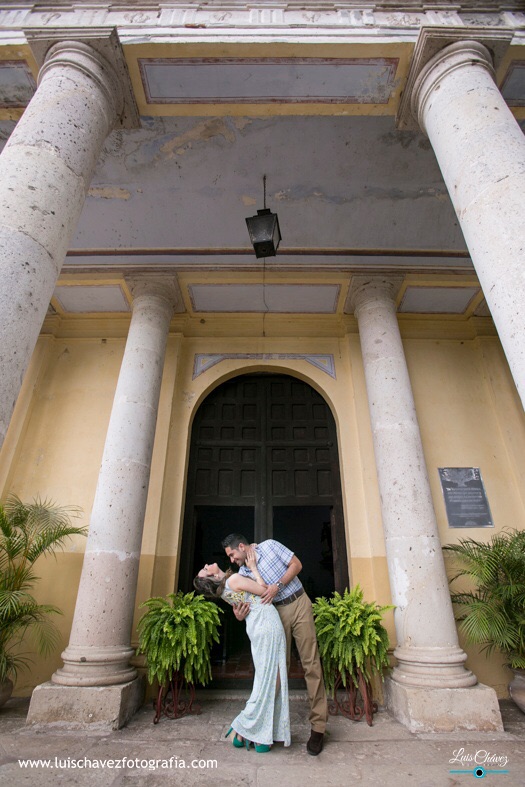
{"points": [[465, 499]]}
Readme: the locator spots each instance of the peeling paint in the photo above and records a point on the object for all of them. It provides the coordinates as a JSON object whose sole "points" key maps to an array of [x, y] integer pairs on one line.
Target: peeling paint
{"points": [[207, 129], [302, 192], [240, 123], [108, 192], [248, 200], [405, 139]]}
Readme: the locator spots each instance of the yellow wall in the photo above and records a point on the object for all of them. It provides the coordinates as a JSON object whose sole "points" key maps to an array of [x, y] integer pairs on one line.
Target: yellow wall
{"points": [[470, 416], [467, 406]]}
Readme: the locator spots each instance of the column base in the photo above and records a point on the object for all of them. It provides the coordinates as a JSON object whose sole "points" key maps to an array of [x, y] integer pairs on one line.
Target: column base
{"points": [[104, 665], [443, 710], [81, 707], [437, 668]]}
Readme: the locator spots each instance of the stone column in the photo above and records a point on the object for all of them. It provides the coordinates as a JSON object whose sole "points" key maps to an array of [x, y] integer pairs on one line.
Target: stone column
{"points": [[480, 149], [428, 653], [45, 171], [99, 650]]}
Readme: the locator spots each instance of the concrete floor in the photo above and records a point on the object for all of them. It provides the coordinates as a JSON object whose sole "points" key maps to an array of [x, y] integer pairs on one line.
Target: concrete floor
{"points": [[384, 754]]}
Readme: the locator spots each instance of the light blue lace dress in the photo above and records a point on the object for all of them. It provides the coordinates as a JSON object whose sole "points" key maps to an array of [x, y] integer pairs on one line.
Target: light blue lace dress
{"points": [[266, 716]]}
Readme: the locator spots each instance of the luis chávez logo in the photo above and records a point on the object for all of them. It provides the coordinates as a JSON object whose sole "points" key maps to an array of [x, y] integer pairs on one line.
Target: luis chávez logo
{"points": [[482, 763]]}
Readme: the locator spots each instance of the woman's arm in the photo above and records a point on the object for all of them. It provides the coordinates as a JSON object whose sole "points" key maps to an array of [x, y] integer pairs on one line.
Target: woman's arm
{"points": [[238, 582], [251, 562]]}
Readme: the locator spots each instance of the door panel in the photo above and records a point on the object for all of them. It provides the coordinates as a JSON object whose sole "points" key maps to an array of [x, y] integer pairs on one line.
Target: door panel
{"points": [[306, 530], [212, 524]]}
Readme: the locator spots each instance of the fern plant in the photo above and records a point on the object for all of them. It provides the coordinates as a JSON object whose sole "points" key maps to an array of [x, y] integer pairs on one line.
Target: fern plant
{"points": [[27, 531], [176, 635], [493, 613], [352, 639]]}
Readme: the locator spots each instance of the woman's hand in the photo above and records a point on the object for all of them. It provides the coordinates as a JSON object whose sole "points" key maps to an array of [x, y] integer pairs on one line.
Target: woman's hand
{"points": [[251, 563], [251, 558]]}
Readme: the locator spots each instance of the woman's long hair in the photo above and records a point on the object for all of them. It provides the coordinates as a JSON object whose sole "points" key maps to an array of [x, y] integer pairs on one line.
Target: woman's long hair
{"points": [[209, 586]]}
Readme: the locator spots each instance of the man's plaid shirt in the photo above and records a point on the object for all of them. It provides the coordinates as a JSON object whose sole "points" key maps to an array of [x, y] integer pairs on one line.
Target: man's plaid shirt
{"points": [[273, 558]]}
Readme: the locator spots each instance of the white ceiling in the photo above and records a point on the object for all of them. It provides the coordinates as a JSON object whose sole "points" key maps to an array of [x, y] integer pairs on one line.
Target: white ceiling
{"points": [[277, 298], [293, 298], [81, 299], [184, 186], [437, 300], [353, 194]]}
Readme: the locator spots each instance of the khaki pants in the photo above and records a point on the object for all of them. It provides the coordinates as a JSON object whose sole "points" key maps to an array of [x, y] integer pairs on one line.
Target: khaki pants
{"points": [[298, 622]]}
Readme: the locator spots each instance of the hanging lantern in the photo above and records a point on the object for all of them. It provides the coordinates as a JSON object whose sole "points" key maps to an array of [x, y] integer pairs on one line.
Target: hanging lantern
{"points": [[265, 233], [264, 230]]}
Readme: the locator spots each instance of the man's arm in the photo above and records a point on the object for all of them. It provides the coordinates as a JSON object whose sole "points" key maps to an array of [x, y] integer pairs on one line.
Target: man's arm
{"points": [[294, 567]]}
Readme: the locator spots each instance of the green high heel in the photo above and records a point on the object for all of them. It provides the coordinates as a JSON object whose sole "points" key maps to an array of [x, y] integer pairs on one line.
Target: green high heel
{"points": [[236, 742], [262, 748]]}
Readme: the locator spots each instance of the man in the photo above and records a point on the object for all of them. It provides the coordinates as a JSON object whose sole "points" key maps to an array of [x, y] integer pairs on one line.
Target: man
{"points": [[279, 568]]}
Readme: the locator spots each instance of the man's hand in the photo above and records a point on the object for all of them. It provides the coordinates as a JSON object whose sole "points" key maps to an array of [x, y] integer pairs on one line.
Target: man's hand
{"points": [[241, 611], [269, 594]]}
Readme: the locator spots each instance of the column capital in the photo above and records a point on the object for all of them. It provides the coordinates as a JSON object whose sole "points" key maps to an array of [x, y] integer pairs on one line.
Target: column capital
{"points": [[96, 52], [433, 46], [164, 287], [366, 289]]}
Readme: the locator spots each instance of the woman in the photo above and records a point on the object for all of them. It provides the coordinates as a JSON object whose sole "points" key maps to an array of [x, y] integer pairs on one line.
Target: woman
{"points": [[266, 717]]}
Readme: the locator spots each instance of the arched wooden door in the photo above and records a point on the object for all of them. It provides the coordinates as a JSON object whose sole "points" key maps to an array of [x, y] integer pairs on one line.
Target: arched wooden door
{"points": [[264, 462]]}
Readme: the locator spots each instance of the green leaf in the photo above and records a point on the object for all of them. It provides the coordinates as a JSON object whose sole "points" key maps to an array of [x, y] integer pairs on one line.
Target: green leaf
{"points": [[490, 603], [176, 634], [28, 531], [351, 637]]}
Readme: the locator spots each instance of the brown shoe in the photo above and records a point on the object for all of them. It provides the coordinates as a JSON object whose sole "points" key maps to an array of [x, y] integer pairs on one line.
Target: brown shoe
{"points": [[315, 744]]}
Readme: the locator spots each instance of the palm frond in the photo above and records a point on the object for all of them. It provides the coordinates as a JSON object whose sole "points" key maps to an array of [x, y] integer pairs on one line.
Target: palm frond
{"points": [[492, 611], [28, 531]]}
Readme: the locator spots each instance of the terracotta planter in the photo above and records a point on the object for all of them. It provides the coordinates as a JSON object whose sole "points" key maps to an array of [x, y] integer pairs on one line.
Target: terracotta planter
{"points": [[6, 689], [517, 688]]}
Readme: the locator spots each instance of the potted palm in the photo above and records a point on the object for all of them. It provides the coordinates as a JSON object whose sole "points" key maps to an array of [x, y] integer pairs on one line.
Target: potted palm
{"points": [[27, 531], [492, 614], [353, 645], [176, 635]]}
